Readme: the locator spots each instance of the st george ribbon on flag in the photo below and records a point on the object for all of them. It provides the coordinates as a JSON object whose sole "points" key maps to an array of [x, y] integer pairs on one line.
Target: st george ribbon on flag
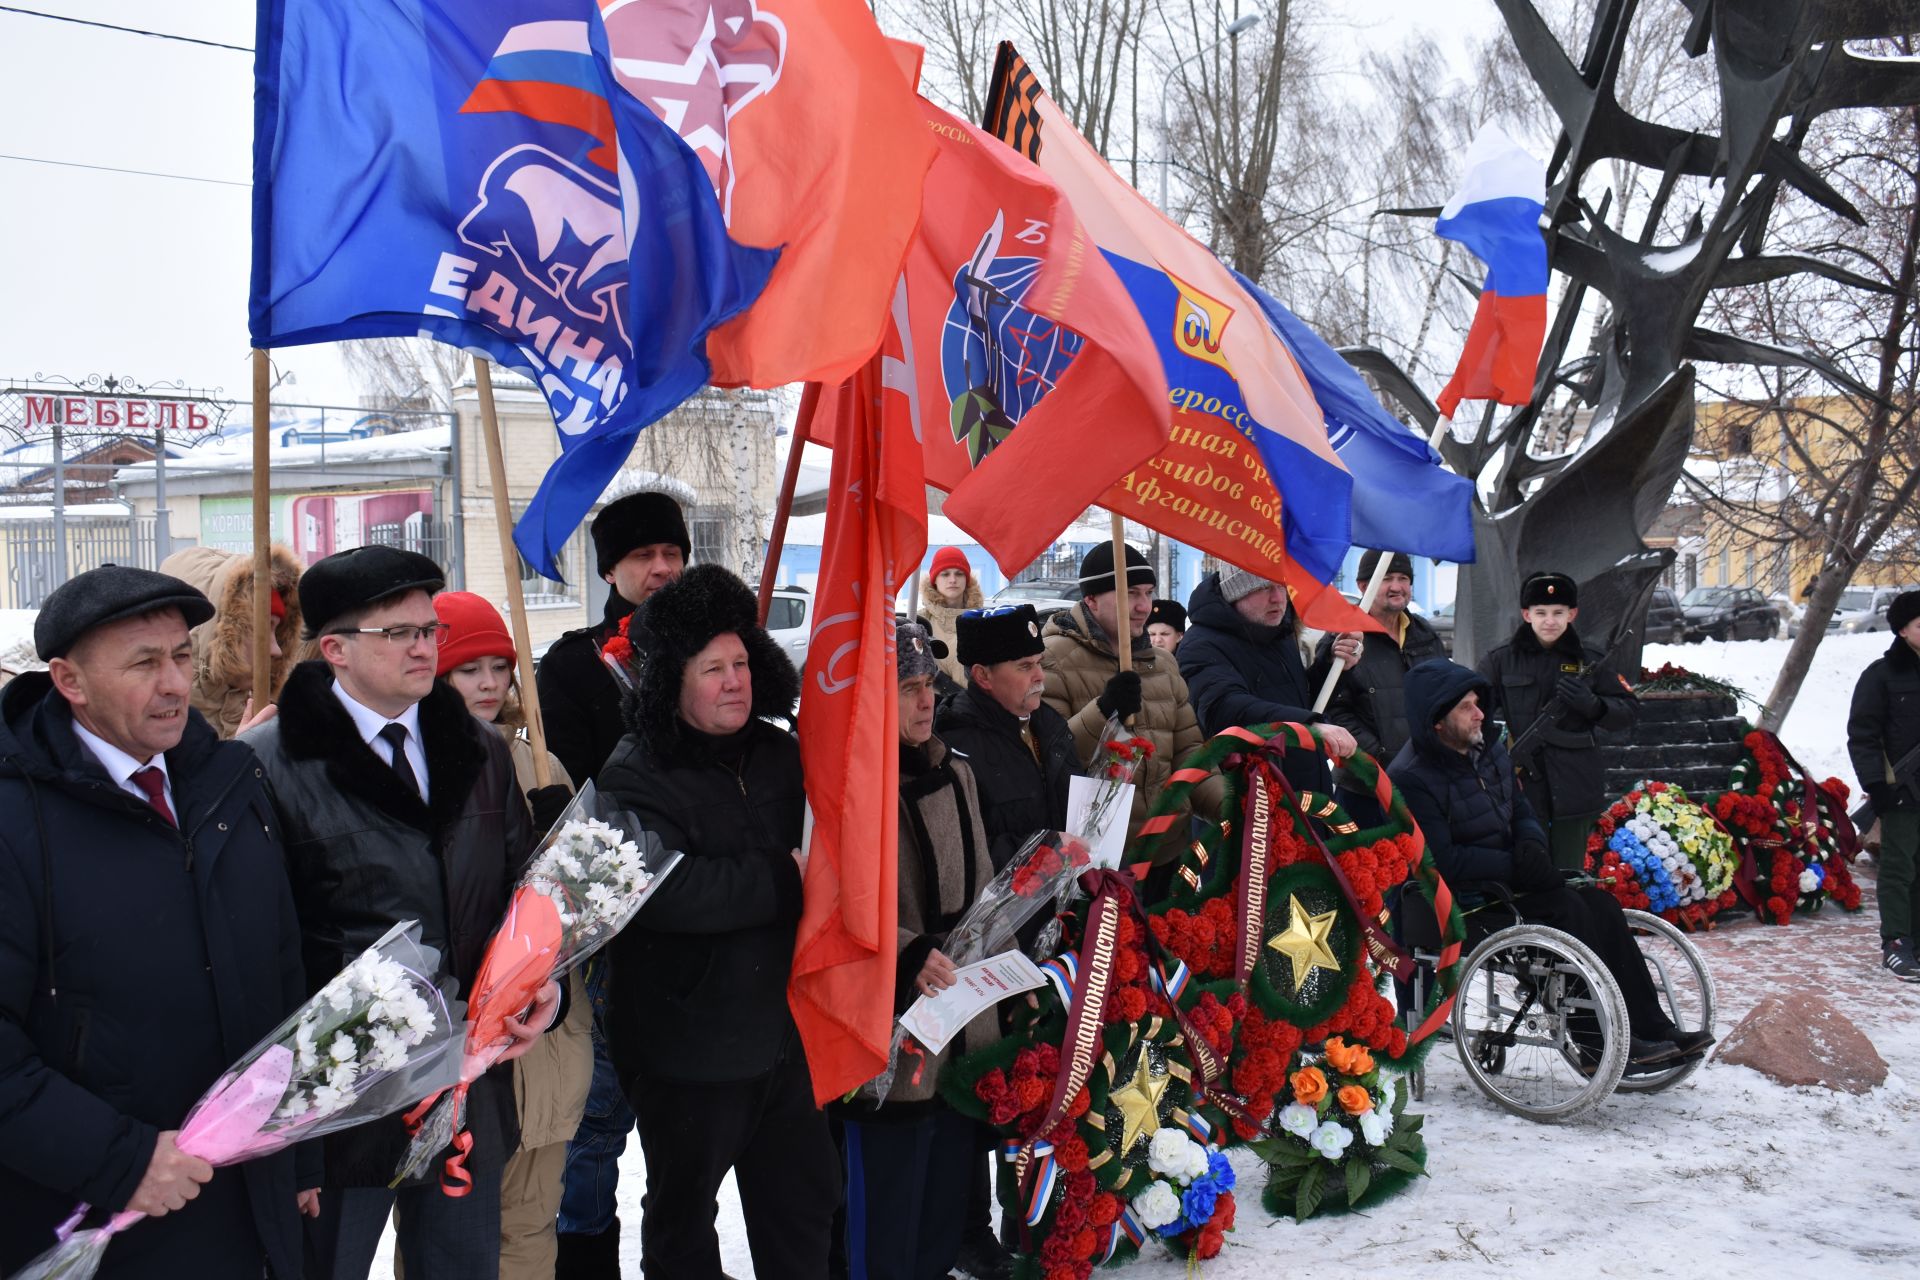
{"points": [[476, 174], [1496, 213], [1404, 499]]}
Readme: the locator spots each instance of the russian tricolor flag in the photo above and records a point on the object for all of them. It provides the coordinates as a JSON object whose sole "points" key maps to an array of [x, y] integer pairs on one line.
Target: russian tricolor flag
{"points": [[1496, 213]]}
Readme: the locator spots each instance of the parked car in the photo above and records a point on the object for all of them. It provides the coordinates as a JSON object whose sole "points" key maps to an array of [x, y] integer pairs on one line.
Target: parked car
{"points": [[1863, 609], [1048, 596], [1729, 613], [1666, 621], [1441, 620], [335, 430], [790, 621]]}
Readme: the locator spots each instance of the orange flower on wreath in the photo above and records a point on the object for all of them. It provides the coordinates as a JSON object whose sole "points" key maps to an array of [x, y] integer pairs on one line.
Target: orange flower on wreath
{"points": [[1355, 1100], [1309, 1086], [1348, 1059]]}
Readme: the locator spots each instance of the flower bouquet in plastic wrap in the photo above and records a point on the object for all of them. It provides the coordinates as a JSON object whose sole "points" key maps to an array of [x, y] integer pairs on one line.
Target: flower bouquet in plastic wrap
{"points": [[1039, 877], [1105, 796], [589, 876], [377, 1037]]}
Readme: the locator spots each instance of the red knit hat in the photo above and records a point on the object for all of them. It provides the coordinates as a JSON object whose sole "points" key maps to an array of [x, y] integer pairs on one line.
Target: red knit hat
{"points": [[475, 630], [950, 558]]}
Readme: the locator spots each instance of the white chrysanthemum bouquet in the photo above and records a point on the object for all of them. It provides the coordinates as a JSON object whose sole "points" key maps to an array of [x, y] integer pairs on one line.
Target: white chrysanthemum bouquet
{"points": [[589, 876], [377, 1037]]}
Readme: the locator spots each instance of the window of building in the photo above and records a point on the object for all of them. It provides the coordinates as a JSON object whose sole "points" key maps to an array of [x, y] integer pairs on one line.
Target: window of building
{"points": [[709, 534], [1741, 442], [543, 591]]}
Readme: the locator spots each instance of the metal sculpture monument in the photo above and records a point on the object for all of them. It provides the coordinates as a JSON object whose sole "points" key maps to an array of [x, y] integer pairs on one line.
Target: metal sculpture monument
{"points": [[1780, 64]]}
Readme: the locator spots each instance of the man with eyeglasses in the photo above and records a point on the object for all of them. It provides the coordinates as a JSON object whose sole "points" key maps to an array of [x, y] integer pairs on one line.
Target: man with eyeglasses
{"points": [[397, 805], [1022, 755]]}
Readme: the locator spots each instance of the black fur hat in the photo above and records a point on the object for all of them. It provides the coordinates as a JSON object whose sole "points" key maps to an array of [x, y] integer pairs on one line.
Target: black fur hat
{"points": [[675, 624]]}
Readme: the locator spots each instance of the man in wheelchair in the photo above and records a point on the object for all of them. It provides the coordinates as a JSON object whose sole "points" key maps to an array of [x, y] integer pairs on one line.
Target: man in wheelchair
{"points": [[1487, 845]]}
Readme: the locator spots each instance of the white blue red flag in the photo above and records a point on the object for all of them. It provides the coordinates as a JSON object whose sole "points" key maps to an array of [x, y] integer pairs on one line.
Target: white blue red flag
{"points": [[1404, 498], [1496, 213], [475, 173]]}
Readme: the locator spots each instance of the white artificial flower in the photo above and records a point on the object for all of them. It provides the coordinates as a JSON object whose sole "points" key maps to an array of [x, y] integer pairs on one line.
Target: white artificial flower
{"points": [[1196, 1163], [1299, 1119], [1809, 881], [1157, 1206], [1331, 1139], [1167, 1152], [1375, 1125]]}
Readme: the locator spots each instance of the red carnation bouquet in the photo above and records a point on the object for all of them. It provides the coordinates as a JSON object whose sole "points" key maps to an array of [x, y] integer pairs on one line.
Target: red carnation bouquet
{"points": [[1116, 759], [617, 653]]}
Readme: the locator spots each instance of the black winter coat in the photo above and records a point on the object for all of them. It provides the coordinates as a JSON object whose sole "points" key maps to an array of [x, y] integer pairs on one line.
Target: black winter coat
{"points": [[1469, 806], [1564, 770], [1370, 702], [579, 697], [1884, 723], [1019, 795], [365, 852], [1241, 673], [137, 962], [700, 976]]}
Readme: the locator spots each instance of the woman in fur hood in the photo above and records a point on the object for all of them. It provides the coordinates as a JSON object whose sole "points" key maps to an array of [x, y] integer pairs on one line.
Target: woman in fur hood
{"points": [[223, 645]]}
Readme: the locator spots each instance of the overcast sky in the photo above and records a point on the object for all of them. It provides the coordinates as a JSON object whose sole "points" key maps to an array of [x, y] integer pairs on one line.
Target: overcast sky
{"points": [[146, 277]]}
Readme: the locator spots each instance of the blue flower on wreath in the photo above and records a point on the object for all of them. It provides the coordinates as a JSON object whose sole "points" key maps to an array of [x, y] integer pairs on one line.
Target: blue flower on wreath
{"points": [[1197, 1202], [1647, 868]]}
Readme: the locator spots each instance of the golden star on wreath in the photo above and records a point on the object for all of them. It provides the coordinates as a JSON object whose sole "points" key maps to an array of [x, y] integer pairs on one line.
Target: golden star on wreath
{"points": [[1305, 942], [1138, 1101]]}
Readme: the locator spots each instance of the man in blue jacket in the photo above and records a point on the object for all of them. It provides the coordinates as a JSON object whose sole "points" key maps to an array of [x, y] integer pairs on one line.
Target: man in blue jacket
{"points": [[1242, 663], [147, 940], [1486, 842]]}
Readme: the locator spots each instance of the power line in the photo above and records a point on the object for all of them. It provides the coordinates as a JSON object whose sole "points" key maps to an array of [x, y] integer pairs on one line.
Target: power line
{"points": [[132, 31], [139, 173]]}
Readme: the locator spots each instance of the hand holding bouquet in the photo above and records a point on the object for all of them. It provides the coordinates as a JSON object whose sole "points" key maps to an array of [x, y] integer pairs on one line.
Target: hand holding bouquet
{"points": [[590, 875], [370, 1042]]}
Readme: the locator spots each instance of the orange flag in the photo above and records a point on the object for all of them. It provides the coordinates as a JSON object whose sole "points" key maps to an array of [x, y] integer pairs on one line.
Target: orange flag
{"points": [[811, 137], [841, 990]]}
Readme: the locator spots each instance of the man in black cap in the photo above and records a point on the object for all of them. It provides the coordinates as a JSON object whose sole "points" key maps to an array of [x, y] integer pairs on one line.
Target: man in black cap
{"points": [[1166, 623], [1547, 677], [147, 940], [1883, 733], [1086, 686], [1368, 701], [1022, 754], [397, 805], [640, 544]]}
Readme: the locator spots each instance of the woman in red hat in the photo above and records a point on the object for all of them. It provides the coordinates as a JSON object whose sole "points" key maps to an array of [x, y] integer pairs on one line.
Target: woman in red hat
{"points": [[948, 590], [550, 1083]]}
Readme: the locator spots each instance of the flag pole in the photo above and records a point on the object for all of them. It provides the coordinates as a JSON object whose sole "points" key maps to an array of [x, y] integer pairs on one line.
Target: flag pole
{"points": [[1122, 606], [509, 566], [777, 537], [262, 533], [1367, 598]]}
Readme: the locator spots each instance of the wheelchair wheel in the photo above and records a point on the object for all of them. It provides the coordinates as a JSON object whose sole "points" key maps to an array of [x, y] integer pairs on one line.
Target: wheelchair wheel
{"points": [[1539, 1024], [1685, 987]]}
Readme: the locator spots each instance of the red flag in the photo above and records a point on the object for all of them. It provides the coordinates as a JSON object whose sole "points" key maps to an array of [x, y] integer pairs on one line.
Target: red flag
{"points": [[1031, 380], [841, 991], [810, 135]]}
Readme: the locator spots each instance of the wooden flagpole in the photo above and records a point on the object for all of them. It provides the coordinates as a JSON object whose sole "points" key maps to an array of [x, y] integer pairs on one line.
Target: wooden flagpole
{"points": [[510, 566], [1122, 606], [1367, 598], [777, 538], [262, 530]]}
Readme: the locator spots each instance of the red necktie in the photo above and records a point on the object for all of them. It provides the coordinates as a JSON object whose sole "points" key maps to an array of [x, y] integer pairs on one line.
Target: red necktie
{"points": [[154, 783]]}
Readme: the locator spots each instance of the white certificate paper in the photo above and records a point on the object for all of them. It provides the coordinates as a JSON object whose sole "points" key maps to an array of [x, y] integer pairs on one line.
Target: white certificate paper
{"points": [[1109, 843], [936, 1020]]}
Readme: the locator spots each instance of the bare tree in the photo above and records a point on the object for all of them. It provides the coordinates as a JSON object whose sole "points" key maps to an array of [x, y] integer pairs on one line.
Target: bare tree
{"points": [[1082, 52], [405, 373], [1850, 457]]}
